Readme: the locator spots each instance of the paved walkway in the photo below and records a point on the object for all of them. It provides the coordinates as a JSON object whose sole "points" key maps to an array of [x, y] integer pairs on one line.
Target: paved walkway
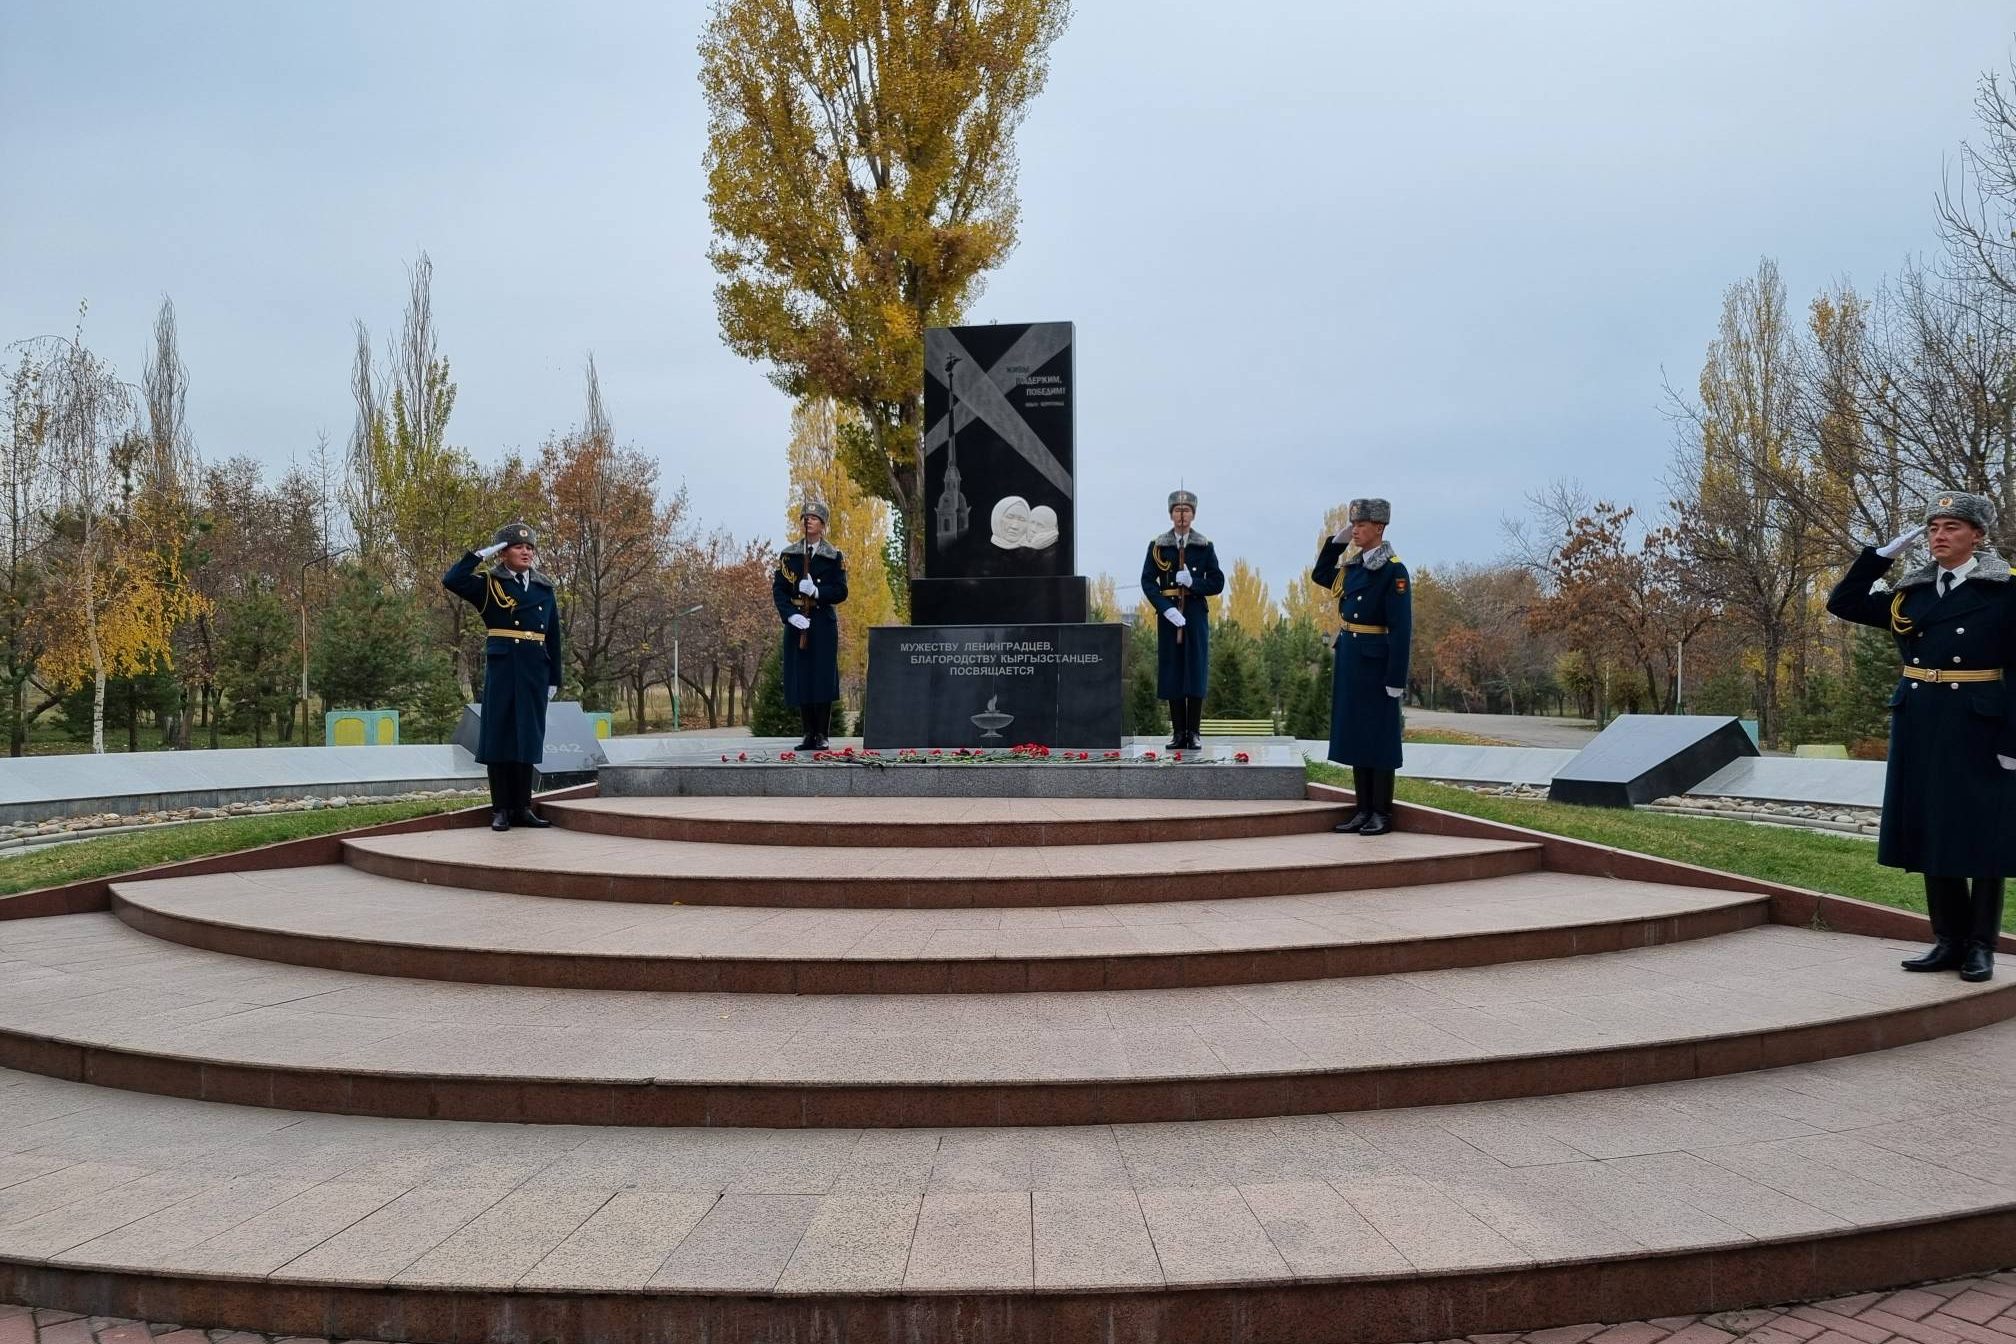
{"points": [[1957, 1311], [1520, 730]]}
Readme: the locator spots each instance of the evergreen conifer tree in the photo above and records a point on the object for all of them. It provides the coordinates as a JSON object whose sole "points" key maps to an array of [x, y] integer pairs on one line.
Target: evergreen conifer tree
{"points": [[771, 717]]}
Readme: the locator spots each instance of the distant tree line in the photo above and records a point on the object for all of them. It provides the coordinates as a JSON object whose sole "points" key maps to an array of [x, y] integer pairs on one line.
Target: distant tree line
{"points": [[156, 597]]}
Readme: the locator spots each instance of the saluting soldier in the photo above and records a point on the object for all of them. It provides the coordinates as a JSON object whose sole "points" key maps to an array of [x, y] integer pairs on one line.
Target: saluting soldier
{"points": [[1180, 575], [1949, 792], [810, 581], [521, 665], [1370, 680]]}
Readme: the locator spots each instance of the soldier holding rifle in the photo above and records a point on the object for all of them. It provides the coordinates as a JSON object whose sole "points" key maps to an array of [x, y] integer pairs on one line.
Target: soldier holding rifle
{"points": [[811, 580], [1358, 566], [1178, 577], [521, 665], [1949, 794]]}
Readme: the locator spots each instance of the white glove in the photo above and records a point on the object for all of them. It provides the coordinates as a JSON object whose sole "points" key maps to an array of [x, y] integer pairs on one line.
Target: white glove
{"points": [[1901, 543], [1183, 576], [2008, 762], [1175, 617], [1396, 691], [552, 691], [807, 587], [489, 551], [800, 620]]}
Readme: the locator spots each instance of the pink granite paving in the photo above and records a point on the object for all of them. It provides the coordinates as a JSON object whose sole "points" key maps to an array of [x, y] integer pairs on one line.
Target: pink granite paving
{"points": [[89, 979], [1192, 865], [941, 811], [336, 901], [96, 1177]]}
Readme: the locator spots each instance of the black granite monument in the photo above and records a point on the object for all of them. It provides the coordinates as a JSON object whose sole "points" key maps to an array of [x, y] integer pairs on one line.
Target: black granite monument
{"points": [[998, 651], [1001, 529], [1640, 757]]}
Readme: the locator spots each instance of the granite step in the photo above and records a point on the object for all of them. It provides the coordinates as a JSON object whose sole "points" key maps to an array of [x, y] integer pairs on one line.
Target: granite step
{"points": [[959, 823], [569, 863], [1800, 1182], [85, 997], [338, 917]]}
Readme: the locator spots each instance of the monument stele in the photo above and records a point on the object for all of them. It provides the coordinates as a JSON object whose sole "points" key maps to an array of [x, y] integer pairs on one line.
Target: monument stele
{"points": [[1000, 648]]}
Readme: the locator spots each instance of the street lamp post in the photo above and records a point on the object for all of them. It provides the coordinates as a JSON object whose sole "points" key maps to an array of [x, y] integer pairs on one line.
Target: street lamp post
{"points": [[676, 618]]}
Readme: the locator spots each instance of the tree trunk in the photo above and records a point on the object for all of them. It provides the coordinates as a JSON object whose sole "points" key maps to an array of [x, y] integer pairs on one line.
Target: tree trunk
{"points": [[1767, 719]]}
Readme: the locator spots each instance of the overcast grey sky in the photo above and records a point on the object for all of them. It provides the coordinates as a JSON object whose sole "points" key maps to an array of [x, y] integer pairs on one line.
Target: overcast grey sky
{"points": [[1314, 248]]}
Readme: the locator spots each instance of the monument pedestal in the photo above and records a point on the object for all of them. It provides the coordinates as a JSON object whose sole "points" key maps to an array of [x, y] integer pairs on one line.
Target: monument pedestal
{"points": [[993, 686], [1053, 599]]}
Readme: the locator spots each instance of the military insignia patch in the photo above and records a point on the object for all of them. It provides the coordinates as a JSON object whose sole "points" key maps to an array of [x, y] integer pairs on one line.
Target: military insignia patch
{"points": [[1946, 503], [1399, 585]]}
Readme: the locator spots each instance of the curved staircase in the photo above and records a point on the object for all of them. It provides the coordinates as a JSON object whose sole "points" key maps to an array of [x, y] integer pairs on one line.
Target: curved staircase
{"points": [[1007, 1070]]}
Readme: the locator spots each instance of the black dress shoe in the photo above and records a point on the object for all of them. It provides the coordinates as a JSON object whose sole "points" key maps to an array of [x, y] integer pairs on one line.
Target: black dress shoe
{"points": [[1979, 963], [1352, 824], [1941, 956], [500, 821], [525, 816], [1377, 824], [809, 744]]}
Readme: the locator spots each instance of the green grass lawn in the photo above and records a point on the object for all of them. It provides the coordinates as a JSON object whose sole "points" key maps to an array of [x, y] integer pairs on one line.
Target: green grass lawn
{"points": [[111, 855], [1450, 737], [1816, 860]]}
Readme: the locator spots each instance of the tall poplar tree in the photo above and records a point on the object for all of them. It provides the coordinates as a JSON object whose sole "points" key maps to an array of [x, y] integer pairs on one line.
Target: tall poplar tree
{"points": [[860, 181]]}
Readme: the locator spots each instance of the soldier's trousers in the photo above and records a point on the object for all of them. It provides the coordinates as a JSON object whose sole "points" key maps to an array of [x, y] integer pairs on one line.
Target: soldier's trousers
{"points": [[1962, 916], [511, 786]]}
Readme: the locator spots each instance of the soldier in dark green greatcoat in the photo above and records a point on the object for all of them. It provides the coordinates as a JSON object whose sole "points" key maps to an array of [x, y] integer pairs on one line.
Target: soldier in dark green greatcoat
{"points": [[1179, 577], [811, 580], [1949, 791], [1372, 651], [521, 665]]}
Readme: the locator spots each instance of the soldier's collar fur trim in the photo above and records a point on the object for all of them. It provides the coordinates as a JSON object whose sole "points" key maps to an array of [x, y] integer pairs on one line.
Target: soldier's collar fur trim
{"points": [[1374, 558], [1169, 538], [1989, 566], [821, 549]]}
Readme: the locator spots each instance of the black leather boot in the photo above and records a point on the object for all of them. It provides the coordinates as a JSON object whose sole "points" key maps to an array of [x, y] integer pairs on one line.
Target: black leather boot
{"points": [[1984, 927], [1193, 720], [500, 797], [1946, 906], [822, 723], [810, 720], [1381, 786], [522, 814], [1354, 823], [1178, 737]]}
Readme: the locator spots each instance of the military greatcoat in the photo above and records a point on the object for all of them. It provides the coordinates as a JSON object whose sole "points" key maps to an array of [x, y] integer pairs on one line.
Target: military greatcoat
{"points": [[1377, 605], [1949, 808], [811, 673], [521, 656], [1182, 666]]}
